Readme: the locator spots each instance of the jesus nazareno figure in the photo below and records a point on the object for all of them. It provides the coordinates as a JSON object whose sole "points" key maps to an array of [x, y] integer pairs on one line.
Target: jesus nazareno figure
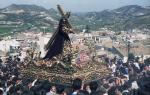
{"points": [[59, 41]]}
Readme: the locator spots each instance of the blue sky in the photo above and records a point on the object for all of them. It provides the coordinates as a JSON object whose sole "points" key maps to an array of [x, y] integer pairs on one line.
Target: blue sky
{"points": [[78, 5]]}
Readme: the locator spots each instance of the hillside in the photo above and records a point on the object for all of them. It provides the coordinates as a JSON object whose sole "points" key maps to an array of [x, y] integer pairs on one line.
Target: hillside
{"points": [[26, 17], [124, 18], [16, 18]]}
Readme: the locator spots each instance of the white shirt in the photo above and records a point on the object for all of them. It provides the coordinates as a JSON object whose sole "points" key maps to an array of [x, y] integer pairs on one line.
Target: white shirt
{"points": [[50, 93], [136, 65], [113, 67], [134, 85]]}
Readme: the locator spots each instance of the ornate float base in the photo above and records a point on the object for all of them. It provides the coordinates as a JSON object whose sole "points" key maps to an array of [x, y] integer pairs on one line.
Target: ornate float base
{"points": [[58, 74]]}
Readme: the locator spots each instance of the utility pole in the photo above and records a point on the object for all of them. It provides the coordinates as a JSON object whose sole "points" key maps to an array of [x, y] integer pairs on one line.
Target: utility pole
{"points": [[128, 46], [44, 30]]}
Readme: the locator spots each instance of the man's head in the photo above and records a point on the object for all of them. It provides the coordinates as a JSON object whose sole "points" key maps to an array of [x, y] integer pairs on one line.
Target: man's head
{"points": [[77, 84], [60, 89], [93, 86], [1, 92]]}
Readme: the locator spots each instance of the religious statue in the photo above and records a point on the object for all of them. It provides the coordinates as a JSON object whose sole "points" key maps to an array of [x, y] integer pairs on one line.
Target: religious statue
{"points": [[59, 46]]}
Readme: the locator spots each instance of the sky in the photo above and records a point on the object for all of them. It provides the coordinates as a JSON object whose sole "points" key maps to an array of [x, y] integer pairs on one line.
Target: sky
{"points": [[78, 5]]}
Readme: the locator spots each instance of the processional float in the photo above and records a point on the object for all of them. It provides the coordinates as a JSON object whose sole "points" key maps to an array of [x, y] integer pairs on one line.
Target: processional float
{"points": [[59, 50]]}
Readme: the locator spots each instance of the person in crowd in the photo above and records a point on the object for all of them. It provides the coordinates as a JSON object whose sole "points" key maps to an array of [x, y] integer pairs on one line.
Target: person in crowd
{"points": [[83, 92], [86, 87], [113, 68], [129, 78], [52, 91], [1, 91], [60, 89], [77, 85], [93, 87], [127, 89]]}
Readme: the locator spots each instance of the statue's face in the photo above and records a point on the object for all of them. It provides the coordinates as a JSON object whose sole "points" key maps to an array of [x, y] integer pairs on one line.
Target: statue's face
{"points": [[65, 25], [64, 22]]}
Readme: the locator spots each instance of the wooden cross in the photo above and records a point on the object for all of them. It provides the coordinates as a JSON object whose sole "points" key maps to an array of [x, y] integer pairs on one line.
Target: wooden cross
{"points": [[68, 25], [64, 15]]}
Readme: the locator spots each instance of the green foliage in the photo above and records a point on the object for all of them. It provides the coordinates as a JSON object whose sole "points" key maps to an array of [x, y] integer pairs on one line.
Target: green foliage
{"points": [[4, 31]]}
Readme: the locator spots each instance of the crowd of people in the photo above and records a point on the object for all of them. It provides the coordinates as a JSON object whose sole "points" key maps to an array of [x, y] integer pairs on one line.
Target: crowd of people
{"points": [[131, 78]]}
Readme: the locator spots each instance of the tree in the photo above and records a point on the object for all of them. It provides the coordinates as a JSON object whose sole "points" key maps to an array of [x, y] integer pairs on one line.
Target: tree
{"points": [[87, 28]]}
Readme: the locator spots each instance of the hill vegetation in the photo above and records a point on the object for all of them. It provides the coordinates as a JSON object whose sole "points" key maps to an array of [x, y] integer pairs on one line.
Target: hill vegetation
{"points": [[36, 18]]}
